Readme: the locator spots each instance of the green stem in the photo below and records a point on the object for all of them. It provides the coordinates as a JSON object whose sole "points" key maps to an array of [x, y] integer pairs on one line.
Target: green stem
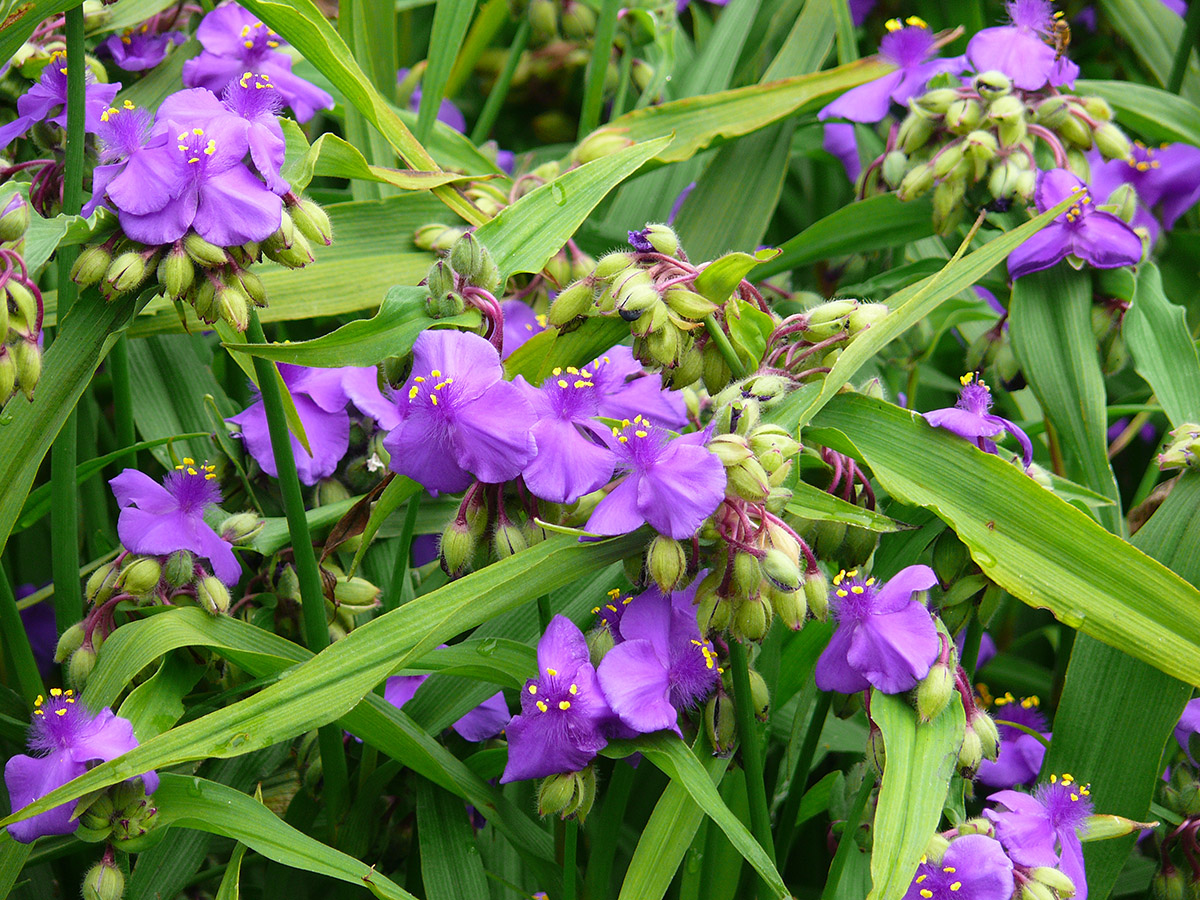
{"points": [[544, 613], [752, 758], [400, 588], [597, 69], [607, 827], [64, 519], [624, 77], [717, 333], [1191, 31], [118, 364], [570, 847], [796, 788], [971, 645], [16, 644], [495, 98], [847, 842], [312, 597]]}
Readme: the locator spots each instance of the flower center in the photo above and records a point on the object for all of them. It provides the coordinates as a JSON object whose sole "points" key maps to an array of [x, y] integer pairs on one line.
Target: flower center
{"points": [[258, 38], [56, 720], [572, 392], [193, 485], [639, 441], [553, 692], [609, 615], [195, 147], [1067, 802], [253, 96], [1142, 159], [434, 390], [853, 595]]}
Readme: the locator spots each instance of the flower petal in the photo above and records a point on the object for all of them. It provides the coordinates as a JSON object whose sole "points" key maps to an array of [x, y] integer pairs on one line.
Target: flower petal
{"points": [[29, 779], [486, 720], [635, 681], [567, 464], [618, 513], [494, 433], [1107, 242], [834, 672], [134, 488], [682, 489], [894, 650], [235, 207], [1044, 249]]}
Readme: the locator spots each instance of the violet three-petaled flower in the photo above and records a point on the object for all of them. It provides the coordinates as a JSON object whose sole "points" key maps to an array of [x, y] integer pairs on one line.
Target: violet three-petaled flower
{"points": [[626, 390], [564, 713], [1166, 177], [46, 101], [157, 519], [138, 49], [520, 324], [485, 721], [235, 42], [884, 638], [459, 417], [1020, 49], [672, 484], [1021, 753], [67, 738], [971, 418], [974, 867], [1045, 829], [320, 401], [122, 132], [661, 666]]}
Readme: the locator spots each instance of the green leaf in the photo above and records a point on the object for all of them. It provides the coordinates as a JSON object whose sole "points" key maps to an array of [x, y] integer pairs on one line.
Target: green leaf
{"points": [[1154, 32], [537, 357], [23, 17], [188, 801], [157, 703], [811, 502], [366, 342], [1050, 323], [667, 836], [1107, 692], [872, 224], [229, 888], [329, 686], [916, 777], [450, 865], [399, 491], [1155, 114], [1157, 334], [709, 120], [450, 21], [527, 233], [721, 277], [1087, 577], [749, 330], [12, 861]]}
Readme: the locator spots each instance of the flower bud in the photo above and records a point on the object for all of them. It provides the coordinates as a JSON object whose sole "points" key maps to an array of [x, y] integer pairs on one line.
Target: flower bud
{"points": [[90, 265], [141, 576], [80, 667], [894, 165], [970, 755], [71, 640], [297, 256], [507, 539], [1002, 182], [689, 304], [934, 692], [207, 254], [915, 132], [715, 372], [751, 618], [876, 752], [27, 366], [1111, 141], [543, 19], [666, 562], [1096, 107], [992, 84], [23, 318], [578, 20], [827, 538], [989, 737], [233, 306], [212, 595], [312, 221], [662, 238], [938, 100], [773, 445], [963, 116], [612, 264], [781, 570], [598, 145], [1032, 890], [457, 547], [760, 695], [467, 257], [179, 569], [936, 848], [946, 161], [240, 528], [14, 220], [663, 346], [866, 315], [1168, 884], [1074, 132], [917, 182], [790, 606], [712, 610], [125, 273], [103, 881], [556, 794], [252, 286], [1054, 879], [176, 272], [720, 723], [1051, 111], [1180, 447], [100, 584], [816, 593]]}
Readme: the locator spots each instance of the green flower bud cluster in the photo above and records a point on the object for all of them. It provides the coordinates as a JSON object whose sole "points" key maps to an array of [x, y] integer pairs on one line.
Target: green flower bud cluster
{"points": [[20, 308], [468, 266], [985, 133], [1181, 794], [569, 795], [553, 20], [215, 281], [1181, 447], [981, 740], [121, 815]]}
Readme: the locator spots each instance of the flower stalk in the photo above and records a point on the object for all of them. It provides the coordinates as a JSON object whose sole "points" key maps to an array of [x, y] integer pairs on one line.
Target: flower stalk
{"points": [[752, 757]]}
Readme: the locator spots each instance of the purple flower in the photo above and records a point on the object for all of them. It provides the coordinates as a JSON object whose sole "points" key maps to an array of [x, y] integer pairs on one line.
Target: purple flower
{"points": [[235, 43], [361, 386], [138, 49], [320, 400], [841, 143], [68, 738], [987, 649], [563, 711], [520, 324], [1167, 177], [447, 112], [884, 638], [1044, 829], [1179, 7], [46, 101], [1096, 237], [40, 629], [459, 418], [1189, 724], [1021, 754], [973, 867], [911, 47], [672, 484], [120, 134], [971, 418], [195, 179], [626, 391], [860, 9], [157, 519], [1020, 50], [661, 665], [485, 721]]}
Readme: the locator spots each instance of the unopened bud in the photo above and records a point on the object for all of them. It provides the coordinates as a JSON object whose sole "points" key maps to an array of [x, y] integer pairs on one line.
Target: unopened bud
{"points": [[934, 692], [467, 257], [720, 723], [80, 667], [575, 301], [964, 116], [176, 272], [90, 265], [936, 848], [917, 182], [212, 595], [666, 562], [100, 584], [751, 618], [507, 539], [71, 640], [1033, 890], [992, 84], [893, 168], [27, 366], [938, 100], [24, 316], [1111, 141], [915, 132], [204, 253], [457, 547], [970, 755], [241, 528], [141, 576], [600, 144], [14, 220], [790, 607], [436, 236], [125, 273], [760, 695], [312, 221], [773, 445], [866, 315], [689, 304], [816, 592], [782, 570], [1054, 879], [989, 737], [103, 881], [876, 754], [556, 794]]}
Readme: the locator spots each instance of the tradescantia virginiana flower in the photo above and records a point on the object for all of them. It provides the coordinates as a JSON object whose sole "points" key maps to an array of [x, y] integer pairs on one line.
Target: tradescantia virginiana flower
{"points": [[971, 418]]}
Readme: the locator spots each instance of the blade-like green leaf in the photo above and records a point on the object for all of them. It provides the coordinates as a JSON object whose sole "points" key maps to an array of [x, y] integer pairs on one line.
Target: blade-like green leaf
{"points": [[22, 18], [12, 861], [157, 703], [537, 357], [188, 801], [1039, 548], [230, 888], [920, 762], [1155, 114], [450, 21], [811, 502], [450, 865], [1154, 32], [1156, 332]]}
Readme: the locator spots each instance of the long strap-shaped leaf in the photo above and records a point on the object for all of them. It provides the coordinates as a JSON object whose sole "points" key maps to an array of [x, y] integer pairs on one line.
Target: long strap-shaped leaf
{"points": [[1039, 548]]}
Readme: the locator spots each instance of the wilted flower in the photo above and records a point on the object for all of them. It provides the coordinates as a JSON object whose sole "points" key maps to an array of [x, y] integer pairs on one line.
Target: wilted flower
{"points": [[672, 484], [661, 665], [69, 739], [1044, 829], [236, 42], [1021, 753], [138, 49], [1096, 237], [1020, 50], [973, 867], [46, 101], [320, 400], [884, 638], [971, 418], [157, 519], [458, 416], [563, 711], [485, 721]]}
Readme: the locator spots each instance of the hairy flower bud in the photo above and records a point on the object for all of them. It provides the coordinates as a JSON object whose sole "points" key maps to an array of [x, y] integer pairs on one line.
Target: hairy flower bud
{"points": [[598, 145], [934, 692], [140, 576], [312, 221], [970, 755], [176, 272], [1111, 141], [90, 265], [80, 667], [71, 640], [963, 116], [666, 562], [917, 182], [989, 737], [760, 695], [790, 606], [507, 539], [876, 753], [720, 723], [205, 254], [103, 881], [240, 528], [14, 220], [782, 570], [915, 132], [1056, 880], [751, 619], [212, 595], [992, 84], [938, 100], [457, 547], [436, 236], [894, 165], [816, 592]]}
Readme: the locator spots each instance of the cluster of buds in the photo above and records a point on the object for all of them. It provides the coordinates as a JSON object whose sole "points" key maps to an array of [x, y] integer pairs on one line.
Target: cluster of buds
{"points": [[346, 597], [807, 344], [20, 307], [121, 815], [836, 540], [570, 794], [466, 278], [1181, 447], [215, 281], [654, 289], [987, 132], [509, 523], [550, 20]]}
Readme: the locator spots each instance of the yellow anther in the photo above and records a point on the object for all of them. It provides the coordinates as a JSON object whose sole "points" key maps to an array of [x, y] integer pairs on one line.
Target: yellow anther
{"points": [[541, 704], [949, 870], [926, 893], [571, 370], [188, 461], [129, 104], [61, 712], [966, 379], [841, 592], [55, 692], [552, 672], [858, 589], [583, 384], [956, 886], [412, 393], [852, 573], [574, 689], [557, 370], [245, 30], [921, 878], [1074, 796], [194, 159], [610, 607], [870, 581], [39, 712], [436, 373], [837, 579], [562, 383], [893, 24], [39, 700], [420, 379], [272, 44], [623, 439], [192, 471], [533, 689], [641, 433], [441, 384], [564, 704], [615, 593], [433, 399], [916, 22], [210, 148], [585, 373], [209, 477], [595, 610]]}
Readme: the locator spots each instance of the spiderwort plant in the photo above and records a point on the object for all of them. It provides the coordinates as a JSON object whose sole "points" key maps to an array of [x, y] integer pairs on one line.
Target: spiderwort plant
{"points": [[971, 418]]}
